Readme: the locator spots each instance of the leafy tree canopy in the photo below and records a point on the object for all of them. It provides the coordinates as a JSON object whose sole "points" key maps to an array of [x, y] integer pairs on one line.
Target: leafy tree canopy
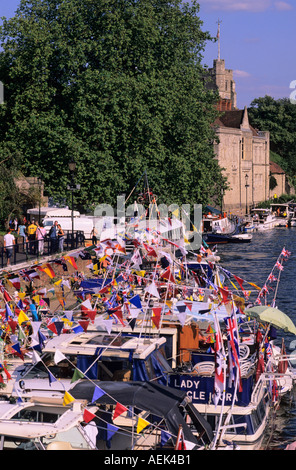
{"points": [[116, 85], [279, 118]]}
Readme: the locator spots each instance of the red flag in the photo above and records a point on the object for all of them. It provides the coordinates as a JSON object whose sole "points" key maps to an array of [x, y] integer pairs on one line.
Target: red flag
{"points": [[156, 316], [188, 305], [72, 261], [6, 296], [225, 295], [168, 275], [91, 314], [119, 409], [239, 281], [51, 327], [84, 324], [150, 250], [88, 416]]}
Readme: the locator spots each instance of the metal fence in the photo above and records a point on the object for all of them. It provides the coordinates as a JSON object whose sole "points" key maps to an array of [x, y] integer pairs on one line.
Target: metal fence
{"points": [[25, 251]]}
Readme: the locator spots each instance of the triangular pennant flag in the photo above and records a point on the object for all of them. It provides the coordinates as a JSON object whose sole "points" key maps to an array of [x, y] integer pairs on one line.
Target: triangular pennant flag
{"points": [[86, 305], [77, 375], [58, 357], [152, 290], [88, 416], [98, 393], [239, 281], [188, 305], [91, 314], [142, 424], [132, 323], [168, 275], [164, 437], [156, 316], [35, 357], [68, 399], [51, 378], [72, 261], [59, 326], [181, 308], [111, 430], [119, 409], [51, 327], [22, 317], [108, 325], [84, 324], [12, 324], [136, 301]]}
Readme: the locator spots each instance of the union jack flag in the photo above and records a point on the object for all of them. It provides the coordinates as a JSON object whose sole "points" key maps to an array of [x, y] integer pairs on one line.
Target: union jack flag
{"points": [[271, 278], [233, 349], [285, 253], [219, 366], [279, 266]]}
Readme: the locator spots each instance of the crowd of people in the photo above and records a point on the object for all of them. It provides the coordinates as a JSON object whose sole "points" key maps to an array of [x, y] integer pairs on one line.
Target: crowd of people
{"points": [[31, 235]]}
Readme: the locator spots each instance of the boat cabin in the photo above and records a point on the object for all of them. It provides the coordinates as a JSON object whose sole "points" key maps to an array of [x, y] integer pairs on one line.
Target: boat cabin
{"points": [[97, 355]]}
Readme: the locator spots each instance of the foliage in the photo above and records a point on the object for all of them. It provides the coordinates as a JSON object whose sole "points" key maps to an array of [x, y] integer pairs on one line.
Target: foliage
{"points": [[117, 85], [279, 118]]}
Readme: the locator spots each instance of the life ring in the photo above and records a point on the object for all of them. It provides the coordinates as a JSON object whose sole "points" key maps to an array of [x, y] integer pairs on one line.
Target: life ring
{"points": [[244, 352]]}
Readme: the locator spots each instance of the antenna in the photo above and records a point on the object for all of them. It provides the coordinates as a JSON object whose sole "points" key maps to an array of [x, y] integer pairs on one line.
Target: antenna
{"points": [[218, 37]]}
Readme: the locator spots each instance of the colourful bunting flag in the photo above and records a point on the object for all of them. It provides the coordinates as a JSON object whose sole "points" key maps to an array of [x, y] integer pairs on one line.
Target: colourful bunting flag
{"points": [[119, 409], [68, 399], [142, 424]]}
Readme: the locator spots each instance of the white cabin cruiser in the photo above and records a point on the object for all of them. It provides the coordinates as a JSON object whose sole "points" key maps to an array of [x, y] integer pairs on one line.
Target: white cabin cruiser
{"points": [[263, 219]]}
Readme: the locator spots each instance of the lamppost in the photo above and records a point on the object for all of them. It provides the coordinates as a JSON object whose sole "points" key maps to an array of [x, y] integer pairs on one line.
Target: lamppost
{"points": [[222, 196], [72, 187], [246, 186]]}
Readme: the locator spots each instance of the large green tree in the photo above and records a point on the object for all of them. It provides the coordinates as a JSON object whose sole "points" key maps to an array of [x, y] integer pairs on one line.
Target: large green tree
{"points": [[279, 118], [116, 85]]}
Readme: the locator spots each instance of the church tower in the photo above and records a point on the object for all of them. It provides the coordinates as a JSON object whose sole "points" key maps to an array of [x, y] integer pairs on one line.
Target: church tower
{"points": [[222, 80]]}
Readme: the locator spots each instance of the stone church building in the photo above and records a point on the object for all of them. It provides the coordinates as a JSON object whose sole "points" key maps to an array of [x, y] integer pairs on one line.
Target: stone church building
{"points": [[242, 151]]}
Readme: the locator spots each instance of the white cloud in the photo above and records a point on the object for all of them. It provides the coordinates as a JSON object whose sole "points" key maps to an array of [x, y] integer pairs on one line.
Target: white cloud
{"points": [[283, 6], [238, 5], [241, 74]]}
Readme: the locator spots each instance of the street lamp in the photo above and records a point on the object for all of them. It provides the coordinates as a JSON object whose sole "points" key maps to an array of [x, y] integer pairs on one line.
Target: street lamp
{"points": [[222, 196], [72, 187], [246, 186]]}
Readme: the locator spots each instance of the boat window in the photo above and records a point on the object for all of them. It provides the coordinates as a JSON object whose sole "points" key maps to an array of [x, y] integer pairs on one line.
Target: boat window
{"points": [[36, 416], [106, 340], [61, 370]]}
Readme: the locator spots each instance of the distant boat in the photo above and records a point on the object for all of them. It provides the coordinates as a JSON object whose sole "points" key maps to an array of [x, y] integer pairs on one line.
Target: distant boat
{"points": [[263, 219]]}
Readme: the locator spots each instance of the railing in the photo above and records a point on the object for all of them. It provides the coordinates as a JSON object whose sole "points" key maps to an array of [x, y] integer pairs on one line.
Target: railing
{"points": [[25, 251]]}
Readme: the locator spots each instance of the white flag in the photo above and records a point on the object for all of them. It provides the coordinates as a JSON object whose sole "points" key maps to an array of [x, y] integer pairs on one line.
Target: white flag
{"points": [[58, 357], [152, 289]]}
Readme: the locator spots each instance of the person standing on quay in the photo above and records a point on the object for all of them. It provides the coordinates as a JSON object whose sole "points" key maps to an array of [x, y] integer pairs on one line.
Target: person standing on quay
{"points": [[41, 234], [9, 242], [53, 235], [61, 237], [32, 237]]}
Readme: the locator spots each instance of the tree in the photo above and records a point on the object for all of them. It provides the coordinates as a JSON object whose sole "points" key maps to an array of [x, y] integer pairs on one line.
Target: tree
{"points": [[279, 118], [117, 85]]}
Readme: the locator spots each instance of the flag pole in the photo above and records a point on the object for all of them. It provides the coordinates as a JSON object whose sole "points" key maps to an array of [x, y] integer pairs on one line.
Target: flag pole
{"points": [[217, 327]]}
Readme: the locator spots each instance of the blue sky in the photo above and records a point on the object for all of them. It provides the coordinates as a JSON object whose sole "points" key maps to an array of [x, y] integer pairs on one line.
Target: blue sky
{"points": [[258, 39]]}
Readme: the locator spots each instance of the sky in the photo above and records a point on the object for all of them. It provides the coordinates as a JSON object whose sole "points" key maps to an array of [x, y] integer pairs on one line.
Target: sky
{"points": [[257, 39]]}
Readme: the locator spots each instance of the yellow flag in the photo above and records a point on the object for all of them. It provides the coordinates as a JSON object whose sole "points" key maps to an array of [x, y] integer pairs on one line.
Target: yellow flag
{"points": [[176, 213], [22, 295], [58, 282], [142, 423], [67, 399], [254, 285], [36, 298], [22, 317]]}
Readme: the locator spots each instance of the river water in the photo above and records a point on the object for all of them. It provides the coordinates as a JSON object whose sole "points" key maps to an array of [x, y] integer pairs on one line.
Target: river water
{"points": [[253, 262]]}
